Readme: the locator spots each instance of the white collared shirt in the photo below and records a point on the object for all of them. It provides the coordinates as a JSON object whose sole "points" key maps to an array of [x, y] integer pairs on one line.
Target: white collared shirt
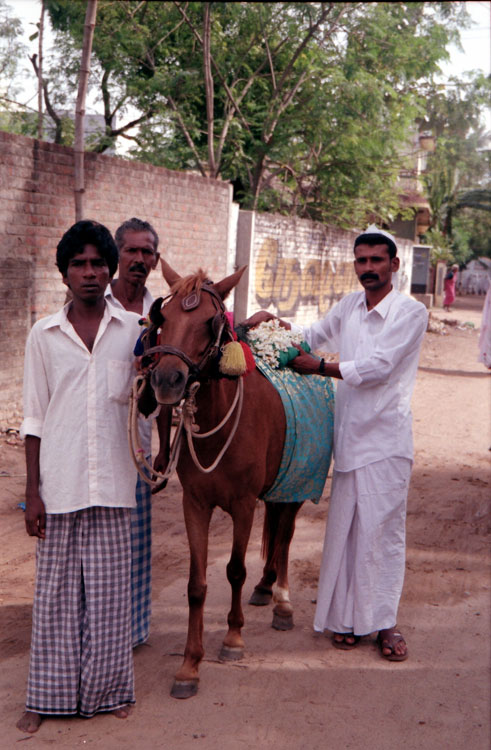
{"points": [[144, 423], [76, 401], [378, 355]]}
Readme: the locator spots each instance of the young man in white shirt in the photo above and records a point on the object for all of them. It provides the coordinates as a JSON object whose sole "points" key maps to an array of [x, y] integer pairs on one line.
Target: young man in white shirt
{"points": [[79, 367], [378, 334]]}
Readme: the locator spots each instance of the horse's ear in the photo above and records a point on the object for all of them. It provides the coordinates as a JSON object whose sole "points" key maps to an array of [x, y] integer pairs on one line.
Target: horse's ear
{"points": [[225, 286], [168, 273], [154, 313]]}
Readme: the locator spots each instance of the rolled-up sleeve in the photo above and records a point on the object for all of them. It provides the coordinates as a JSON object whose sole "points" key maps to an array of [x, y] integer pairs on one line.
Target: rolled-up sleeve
{"points": [[350, 374], [35, 391]]}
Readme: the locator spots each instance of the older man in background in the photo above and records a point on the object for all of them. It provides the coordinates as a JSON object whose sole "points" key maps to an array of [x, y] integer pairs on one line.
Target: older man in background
{"points": [[137, 242]]}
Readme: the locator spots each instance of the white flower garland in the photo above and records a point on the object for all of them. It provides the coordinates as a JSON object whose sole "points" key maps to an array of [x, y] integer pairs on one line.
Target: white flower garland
{"points": [[268, 339]]}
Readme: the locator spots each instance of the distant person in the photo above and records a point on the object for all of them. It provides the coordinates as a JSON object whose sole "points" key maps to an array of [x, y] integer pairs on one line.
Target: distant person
{"points": [[485, 332], [449, 285], [378, 334], [137, 242], [79, 366]]}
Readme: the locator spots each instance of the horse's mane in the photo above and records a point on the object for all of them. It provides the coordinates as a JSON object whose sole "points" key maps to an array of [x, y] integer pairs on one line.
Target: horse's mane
{"points": [[191, 283]]}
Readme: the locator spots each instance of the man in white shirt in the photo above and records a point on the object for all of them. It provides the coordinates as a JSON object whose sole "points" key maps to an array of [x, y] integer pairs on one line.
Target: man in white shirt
{"points": [[378, 334], [79, 367], [137, 242]]}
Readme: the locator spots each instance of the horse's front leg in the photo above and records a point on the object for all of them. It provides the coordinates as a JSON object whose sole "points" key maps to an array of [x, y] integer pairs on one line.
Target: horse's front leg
{"points": [[283, 610], [233, 643], [197, 520]]}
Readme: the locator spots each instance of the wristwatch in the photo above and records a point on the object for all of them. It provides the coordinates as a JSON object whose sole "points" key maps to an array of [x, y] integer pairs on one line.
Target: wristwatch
{"points": [[322, 367]]}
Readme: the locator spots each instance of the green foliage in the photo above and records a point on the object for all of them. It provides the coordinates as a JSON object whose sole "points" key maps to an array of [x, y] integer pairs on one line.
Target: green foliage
{"points": [[472, 231], [457, 178], [11, 52], [307, 103], [19, 121], [440, 248]]}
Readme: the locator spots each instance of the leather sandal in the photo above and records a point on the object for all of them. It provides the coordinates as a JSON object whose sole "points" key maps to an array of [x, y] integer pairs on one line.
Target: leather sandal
{"points": [[344, 645], [391, 641]]}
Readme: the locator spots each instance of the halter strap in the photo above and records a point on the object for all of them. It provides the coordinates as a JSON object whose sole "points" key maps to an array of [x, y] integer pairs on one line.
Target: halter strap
{"points": [[190, 302]]}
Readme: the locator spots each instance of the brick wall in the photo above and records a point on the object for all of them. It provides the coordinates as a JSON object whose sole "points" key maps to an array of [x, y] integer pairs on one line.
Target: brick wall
{"points": [[297, 268], [191, 215]]}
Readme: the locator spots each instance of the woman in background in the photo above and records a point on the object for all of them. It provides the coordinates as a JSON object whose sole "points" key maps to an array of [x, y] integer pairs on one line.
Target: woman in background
{"points": [[449, 287]]}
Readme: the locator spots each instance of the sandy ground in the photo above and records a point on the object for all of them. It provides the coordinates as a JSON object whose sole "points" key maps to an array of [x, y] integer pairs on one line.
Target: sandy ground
{"points": [[293, 690]]}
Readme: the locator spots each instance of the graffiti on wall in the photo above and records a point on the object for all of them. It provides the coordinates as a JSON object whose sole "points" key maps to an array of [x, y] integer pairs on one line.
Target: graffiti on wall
{"points": [[287, 284]]}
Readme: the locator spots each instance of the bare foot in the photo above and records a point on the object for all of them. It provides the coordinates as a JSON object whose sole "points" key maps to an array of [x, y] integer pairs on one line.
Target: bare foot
{"points": [[29, 722], [122, 713], [392, 645]]}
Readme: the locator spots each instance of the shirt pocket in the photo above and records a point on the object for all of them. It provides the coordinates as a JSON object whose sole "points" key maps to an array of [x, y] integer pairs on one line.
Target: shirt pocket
{"points": [[120, 377]]}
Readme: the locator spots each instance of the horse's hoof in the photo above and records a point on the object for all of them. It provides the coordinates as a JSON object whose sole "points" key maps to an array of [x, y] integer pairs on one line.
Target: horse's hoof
{"points": [[282, 622], [259, 598], [184, 688], [231, 653]]}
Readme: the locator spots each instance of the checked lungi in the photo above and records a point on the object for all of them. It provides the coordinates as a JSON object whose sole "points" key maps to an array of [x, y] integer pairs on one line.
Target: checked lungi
{"points": [[81, 656], [141, 563]]}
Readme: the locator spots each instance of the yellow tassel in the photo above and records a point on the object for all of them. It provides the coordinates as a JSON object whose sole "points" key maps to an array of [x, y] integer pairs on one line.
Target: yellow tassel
{"points": [[233, 360]]}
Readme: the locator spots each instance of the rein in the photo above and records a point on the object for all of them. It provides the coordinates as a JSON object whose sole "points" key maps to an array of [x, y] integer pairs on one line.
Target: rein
{"points": [[187, 407]]}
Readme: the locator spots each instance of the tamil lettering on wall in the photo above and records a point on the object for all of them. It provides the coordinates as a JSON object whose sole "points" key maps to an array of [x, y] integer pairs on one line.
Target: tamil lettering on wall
{"points": [[287, 283]]}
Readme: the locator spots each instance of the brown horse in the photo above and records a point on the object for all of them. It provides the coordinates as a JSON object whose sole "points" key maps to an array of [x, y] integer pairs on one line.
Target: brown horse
{"points": [[193, 327]]}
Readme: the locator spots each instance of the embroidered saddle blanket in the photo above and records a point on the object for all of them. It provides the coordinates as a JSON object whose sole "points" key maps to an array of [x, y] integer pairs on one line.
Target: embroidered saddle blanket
{"points": [[308, 401]]}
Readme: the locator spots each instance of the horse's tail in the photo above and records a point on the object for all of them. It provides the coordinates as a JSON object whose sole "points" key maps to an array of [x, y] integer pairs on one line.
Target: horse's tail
{"points": [[269, 529], [278, 528]]}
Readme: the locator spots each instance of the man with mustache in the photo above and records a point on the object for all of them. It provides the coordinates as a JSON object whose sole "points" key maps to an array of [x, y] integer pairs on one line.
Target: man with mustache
{"points": [[137, 242], [378, 334]]}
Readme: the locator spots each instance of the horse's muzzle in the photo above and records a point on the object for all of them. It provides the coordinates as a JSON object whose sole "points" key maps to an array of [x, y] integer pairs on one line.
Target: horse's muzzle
{"points": [[169, 383]]}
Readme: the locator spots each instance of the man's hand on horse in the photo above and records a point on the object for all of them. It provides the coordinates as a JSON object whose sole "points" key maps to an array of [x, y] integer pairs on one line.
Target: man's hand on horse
{"points": [[304, 363], [262, 317]]}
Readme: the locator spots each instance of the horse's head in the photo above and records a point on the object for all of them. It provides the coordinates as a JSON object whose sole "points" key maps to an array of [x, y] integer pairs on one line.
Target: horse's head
{"points": [[193, 326]]}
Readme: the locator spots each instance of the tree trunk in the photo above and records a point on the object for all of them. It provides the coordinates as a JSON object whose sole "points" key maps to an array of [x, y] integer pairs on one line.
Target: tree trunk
{"points": [[40, 73], [210, 115], [83, 79]]}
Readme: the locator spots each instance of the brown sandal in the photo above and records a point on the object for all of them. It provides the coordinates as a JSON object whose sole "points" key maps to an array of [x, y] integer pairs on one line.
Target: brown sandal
{"points": [[390, 641], [344, 645]]}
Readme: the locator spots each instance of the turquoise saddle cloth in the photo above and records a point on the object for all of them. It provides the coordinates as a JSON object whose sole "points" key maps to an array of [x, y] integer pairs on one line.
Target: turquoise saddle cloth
{"points": [[308, 401]]}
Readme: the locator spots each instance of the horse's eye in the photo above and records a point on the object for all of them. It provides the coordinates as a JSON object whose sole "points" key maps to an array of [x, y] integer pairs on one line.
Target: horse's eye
{"points": [[216, 324]]}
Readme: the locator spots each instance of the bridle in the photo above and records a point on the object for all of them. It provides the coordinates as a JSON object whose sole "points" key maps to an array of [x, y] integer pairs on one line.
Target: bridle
{"points": [[187, 407], [218, 326]]}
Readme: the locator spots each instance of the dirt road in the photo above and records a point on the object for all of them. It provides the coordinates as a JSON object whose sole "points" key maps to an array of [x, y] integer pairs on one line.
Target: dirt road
{"points": [[294, 691]]}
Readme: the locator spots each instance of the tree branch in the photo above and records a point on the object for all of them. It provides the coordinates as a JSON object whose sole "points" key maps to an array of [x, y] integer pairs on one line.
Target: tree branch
{"points": [[187, 135], [210, 116], [49, 107]]}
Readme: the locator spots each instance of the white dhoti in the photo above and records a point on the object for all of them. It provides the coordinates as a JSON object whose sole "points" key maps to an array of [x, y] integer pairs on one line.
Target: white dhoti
{"points": [[362, 569]]}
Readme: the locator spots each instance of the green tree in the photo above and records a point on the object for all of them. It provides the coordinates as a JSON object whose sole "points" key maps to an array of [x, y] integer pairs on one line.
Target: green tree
{"points": [[11, 52], [457, 178], [302, 106], [13, 117]]}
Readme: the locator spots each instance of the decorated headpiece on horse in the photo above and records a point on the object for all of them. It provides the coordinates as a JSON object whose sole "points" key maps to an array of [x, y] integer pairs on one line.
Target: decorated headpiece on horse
{"points": [[232, 357]]}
